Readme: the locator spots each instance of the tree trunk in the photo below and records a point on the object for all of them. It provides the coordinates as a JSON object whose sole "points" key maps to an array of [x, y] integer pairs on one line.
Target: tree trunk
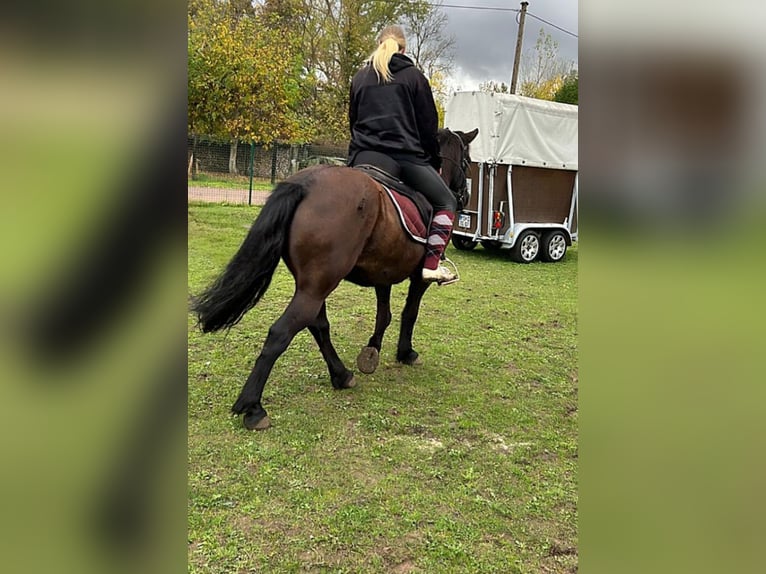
{"points": [[233, 158]]}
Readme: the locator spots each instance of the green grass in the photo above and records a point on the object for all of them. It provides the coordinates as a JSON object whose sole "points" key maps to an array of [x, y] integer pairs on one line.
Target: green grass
{"points": [[229, 182], [467, 463]]}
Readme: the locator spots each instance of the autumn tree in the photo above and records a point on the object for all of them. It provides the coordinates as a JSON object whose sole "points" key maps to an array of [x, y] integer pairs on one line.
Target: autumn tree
{"points": [[337, 36], [282, 69], [542, 71], [244, 75]]}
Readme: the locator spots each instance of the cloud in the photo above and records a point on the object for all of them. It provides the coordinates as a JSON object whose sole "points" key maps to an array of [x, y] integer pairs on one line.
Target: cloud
{"points": [[485, 40]]}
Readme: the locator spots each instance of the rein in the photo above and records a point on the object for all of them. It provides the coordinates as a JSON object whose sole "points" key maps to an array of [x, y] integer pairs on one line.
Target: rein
{"points": [[462, 166]]}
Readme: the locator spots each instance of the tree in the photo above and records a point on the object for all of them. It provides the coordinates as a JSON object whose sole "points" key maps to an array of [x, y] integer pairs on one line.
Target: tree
{"points": [[282, 69], [337, 36], [432, 50], [244, 75], [492, 86], [430, 47], [567, 93], [542, 71]]}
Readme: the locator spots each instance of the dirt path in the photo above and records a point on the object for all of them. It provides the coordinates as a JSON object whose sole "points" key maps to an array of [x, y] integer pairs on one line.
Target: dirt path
{"points": [[223, 195]]}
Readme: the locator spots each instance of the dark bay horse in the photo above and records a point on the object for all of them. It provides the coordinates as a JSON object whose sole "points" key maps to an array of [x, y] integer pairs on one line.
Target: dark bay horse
{"points": [[328, 223]]}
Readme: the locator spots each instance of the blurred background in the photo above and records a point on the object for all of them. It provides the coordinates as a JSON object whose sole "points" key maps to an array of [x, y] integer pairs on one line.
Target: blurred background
{"points": [[671, 275], [93, 293]]}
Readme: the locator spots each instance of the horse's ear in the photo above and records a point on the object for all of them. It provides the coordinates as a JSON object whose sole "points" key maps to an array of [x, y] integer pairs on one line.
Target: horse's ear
{"points": [[468, 137]]}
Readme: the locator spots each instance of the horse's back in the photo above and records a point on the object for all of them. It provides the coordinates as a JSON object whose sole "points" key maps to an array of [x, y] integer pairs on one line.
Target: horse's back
{"points": [[346, 226], [338, 200]]}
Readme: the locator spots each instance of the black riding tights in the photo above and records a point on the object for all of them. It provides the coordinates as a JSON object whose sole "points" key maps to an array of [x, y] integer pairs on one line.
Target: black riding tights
{"points": [[426, 180]]}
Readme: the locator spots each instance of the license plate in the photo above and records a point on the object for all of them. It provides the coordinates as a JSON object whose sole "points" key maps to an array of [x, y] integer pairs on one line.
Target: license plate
{"points": [[464, 220]]}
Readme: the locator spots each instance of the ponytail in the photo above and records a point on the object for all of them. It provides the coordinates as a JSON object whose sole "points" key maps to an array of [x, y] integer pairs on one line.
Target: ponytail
{"points": [[390, 41]]}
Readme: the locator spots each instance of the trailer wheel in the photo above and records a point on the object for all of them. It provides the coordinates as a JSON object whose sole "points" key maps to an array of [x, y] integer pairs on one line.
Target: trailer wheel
{"points": [[554, 246], [463, 243], [527, 247]]}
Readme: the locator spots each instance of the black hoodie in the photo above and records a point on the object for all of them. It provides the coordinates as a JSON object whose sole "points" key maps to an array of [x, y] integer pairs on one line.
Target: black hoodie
{"points": [[397, 118]]}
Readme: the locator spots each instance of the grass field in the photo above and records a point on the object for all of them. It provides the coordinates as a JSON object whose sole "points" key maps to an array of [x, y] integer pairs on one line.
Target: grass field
{"points": [[466, 463], [225, 181]]}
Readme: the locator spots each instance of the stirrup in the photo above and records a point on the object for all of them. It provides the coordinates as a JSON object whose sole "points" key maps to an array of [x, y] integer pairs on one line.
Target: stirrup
{"points": [[444, 270], [457, 275]]}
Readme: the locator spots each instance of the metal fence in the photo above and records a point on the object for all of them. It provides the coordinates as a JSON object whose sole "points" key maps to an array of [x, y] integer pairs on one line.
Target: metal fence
{"points": [[222, 172]]}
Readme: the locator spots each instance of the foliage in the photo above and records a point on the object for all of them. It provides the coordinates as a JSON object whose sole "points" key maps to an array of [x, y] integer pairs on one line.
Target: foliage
{"points": [[568, 92], [440, 89], [282, 69], [244, 74], [543, 90], [542, 71], [466, 463], [337, 37]]}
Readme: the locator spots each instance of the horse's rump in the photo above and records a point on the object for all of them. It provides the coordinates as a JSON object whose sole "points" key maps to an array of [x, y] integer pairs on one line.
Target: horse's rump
{"points": [[347, 224]]}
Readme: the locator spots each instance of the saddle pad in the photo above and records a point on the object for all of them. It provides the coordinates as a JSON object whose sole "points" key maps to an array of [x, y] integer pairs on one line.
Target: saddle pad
{"points": [[409, 215], [414, 210]]}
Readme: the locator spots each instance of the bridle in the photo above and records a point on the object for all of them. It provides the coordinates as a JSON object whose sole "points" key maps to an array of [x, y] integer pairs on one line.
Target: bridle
{"points": [[465, 162], [462, 167]]}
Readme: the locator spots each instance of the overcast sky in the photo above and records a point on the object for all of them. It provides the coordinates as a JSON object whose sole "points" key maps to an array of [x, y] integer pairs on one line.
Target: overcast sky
{"points": [[485, 40]]}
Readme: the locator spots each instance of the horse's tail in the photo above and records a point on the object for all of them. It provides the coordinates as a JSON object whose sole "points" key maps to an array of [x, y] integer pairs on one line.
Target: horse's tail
{"points": [[248, 275]]}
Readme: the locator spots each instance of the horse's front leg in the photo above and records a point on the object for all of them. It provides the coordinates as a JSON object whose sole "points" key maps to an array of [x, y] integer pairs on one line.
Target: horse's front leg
{"points": [[369, 357], [404, 351]]}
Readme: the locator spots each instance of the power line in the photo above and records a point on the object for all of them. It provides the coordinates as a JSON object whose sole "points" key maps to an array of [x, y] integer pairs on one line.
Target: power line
{"points": [[554, 25], [496, 9], [499, 9]]}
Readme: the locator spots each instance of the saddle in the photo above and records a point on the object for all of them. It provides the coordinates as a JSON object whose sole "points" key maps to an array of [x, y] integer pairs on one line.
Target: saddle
{"points": [[415, 211]]}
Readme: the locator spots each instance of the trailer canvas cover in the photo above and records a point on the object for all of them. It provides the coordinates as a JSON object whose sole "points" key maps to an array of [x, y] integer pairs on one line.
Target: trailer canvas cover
{"points": [[516, 130]]}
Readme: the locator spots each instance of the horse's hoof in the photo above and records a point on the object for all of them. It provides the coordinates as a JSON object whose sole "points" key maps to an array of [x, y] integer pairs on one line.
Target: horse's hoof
{"points": [[412, 358], [368, 360], [253, 422], [348, 382]]}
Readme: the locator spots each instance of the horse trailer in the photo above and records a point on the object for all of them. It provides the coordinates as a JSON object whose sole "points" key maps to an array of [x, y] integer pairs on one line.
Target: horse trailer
{"points": [[523, 175]]}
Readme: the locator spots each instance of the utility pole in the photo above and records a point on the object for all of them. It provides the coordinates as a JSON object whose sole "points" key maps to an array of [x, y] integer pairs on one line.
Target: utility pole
{"points": [[517, 57]]}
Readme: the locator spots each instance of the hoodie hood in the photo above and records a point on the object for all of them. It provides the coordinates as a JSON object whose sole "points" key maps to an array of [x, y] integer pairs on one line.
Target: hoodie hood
{"points": [[399, 62]]}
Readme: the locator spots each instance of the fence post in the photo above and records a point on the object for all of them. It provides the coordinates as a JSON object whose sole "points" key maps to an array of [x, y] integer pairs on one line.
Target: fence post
{"points": [[274, 164], [252, 159]]}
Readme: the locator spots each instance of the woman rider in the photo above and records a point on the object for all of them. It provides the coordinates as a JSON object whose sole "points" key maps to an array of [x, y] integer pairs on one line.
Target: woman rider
{"points": [[392, 111]]}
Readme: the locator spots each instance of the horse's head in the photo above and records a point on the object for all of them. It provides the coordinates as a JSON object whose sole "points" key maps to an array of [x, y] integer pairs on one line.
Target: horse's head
{"points": [[456, 161]]}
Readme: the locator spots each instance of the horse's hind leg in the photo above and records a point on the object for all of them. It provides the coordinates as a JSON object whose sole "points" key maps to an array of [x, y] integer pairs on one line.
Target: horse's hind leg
{"points": [[340, 376], [368, 358], [404, 351], [301, 312]]}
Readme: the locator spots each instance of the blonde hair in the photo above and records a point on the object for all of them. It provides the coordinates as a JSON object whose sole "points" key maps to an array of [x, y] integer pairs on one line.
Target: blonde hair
{"points": [[390, 41]]}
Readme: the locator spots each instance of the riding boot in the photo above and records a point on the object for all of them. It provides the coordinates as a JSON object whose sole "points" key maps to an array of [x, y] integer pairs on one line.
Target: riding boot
{"points": [[439, 234]]}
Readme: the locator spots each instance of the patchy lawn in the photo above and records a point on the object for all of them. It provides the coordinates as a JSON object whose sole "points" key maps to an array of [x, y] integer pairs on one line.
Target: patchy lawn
{"points": [[466, 463]]}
